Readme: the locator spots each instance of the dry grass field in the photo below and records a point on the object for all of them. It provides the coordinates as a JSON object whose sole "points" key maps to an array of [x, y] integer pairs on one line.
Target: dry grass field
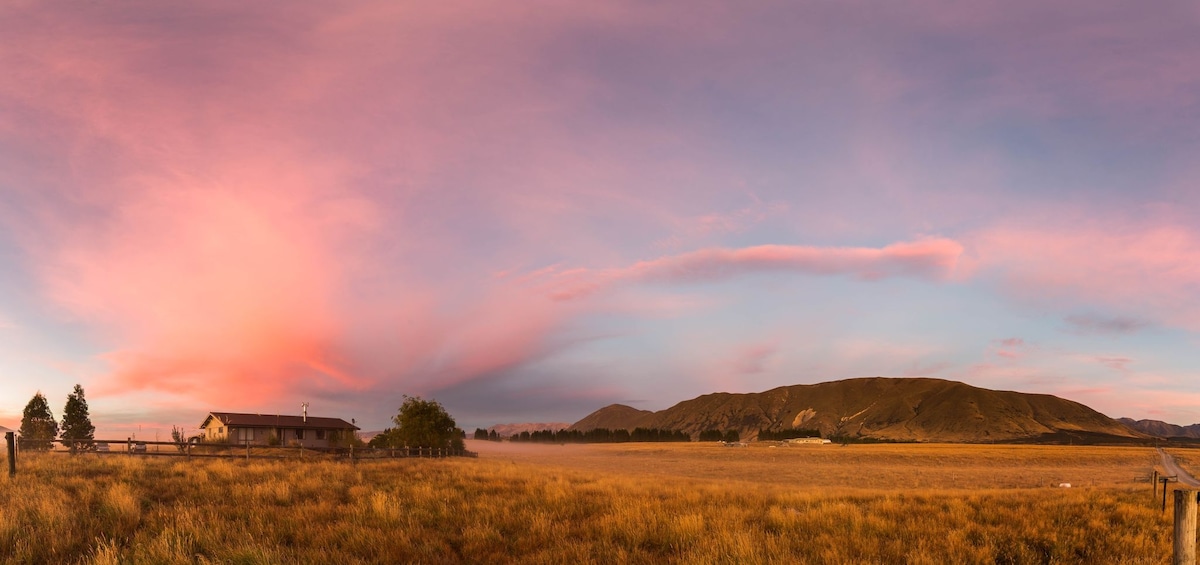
{"points": [[878, 466], [689, 503]]}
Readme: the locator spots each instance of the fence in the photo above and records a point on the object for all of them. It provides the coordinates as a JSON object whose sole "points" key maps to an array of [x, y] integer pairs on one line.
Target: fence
{"points": [[188, 450]]}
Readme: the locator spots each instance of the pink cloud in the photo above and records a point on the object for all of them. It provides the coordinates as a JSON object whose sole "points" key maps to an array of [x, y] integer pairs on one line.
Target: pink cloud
{"points": [[754, 359], [241, 203], [222, 222], [1139, 271], [1010, 349], [1120, 364], [933, 259], [920, 369]]}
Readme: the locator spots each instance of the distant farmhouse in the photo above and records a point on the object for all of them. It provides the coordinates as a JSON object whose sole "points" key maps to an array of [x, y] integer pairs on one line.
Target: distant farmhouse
{"points": [[268, 429], [807, 441]]}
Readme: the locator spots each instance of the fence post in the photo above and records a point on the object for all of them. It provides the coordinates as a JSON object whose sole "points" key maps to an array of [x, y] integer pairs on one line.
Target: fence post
{"points": [[1154, 481], [1163, 480], [1185, 527], [11, 440]]}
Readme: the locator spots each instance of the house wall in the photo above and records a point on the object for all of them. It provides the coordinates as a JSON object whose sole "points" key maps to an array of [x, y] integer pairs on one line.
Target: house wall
{"points": [[287, 436], [310, 438], [213, 431]]}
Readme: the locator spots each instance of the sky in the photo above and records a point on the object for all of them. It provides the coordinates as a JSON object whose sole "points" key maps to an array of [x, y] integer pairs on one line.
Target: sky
{"points": [[528, 211]]}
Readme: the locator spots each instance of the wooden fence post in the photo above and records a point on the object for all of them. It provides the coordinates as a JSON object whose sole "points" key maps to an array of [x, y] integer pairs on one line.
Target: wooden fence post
{"points": [[1154, 482], [1185, 527], [11, 440], [1164, 481]]}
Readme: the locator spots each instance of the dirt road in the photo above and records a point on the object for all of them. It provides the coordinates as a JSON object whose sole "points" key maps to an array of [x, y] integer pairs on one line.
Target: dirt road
{"points": [[1172, 469]]}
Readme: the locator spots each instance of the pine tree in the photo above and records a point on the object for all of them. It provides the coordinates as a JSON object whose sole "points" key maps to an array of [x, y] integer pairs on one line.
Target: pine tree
{"points": [[38, 427], [77, 426]]}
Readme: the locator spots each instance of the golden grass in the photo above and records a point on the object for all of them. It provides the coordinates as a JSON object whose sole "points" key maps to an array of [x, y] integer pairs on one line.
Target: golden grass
{"points": [[593, 504], [879, 466]]}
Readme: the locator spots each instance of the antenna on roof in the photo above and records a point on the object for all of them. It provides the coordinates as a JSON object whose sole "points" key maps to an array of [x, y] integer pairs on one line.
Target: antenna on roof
{"points": [[304, 409]]}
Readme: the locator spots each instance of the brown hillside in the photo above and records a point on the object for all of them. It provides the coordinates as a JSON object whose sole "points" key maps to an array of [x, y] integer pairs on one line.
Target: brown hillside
{"points": [[908, 409], [613, 417]]}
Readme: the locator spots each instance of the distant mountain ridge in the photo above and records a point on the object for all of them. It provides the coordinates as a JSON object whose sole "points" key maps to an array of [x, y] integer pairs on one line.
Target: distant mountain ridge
{"points": [[1158, 428], [902, 409]]}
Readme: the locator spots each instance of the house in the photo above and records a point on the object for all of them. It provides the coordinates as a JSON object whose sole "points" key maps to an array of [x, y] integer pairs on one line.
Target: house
{"points": [[807, 441], [274, 429]]}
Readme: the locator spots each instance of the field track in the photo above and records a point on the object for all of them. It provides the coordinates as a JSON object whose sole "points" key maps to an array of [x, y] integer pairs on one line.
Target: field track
{"points": [[1173, 469]]}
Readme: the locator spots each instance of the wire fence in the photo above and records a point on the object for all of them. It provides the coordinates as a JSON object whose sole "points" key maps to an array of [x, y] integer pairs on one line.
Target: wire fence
{"points": [[130, 447]]}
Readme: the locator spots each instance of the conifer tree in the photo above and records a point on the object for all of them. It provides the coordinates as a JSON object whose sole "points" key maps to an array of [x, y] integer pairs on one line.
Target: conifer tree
{"points": [[77, 428], [38, 427]]}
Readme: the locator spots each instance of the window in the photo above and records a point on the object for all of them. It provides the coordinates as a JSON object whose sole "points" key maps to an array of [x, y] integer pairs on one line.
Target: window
{"points": [[245, 434], [320, 434], [299, 434]]}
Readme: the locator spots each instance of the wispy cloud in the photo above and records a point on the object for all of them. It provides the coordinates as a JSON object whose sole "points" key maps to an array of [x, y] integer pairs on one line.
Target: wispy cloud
{"points": [[1144, 272], [1120, 364], [754, 359], [933, 259], [1093, 324]]}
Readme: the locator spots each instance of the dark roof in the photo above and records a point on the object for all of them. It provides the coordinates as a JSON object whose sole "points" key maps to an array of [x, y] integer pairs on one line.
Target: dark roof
{"points": [[278, 421]]}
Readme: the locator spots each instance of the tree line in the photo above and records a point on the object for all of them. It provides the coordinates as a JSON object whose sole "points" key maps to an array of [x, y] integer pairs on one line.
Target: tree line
{"points": [[39, 428], [485, 435], [602, 435]]}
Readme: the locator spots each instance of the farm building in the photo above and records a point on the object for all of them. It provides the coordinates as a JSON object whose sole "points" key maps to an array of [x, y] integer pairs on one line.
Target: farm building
{"points": [[807, 441], [268, 429]]}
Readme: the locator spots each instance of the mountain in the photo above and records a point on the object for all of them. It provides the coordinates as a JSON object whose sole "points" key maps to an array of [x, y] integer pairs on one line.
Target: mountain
{"points": [[902, 409], [506, 430], [1158, 428], [614, 417]]}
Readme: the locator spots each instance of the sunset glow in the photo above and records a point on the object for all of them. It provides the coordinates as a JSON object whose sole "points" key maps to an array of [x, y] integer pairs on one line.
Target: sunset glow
{"points": [[531, 211]]}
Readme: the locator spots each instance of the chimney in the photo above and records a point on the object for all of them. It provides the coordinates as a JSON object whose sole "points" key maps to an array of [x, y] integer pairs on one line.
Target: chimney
{"points": [[304, 409]]}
